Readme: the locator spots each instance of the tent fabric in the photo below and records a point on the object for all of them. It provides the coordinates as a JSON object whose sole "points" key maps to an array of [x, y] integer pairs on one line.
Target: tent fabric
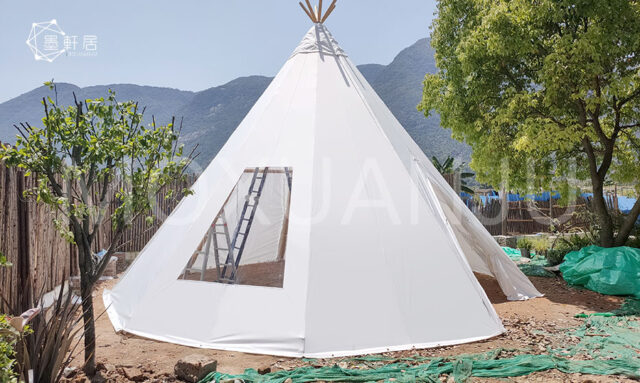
{"points": [[380, 251]]}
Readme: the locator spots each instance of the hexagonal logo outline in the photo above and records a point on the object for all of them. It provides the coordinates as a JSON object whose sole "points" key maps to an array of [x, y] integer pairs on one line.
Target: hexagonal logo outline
{"points": [[37, 35]]}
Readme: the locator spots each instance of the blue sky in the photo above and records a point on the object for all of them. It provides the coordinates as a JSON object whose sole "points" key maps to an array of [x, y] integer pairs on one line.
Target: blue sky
{"points": [[193, 45]]}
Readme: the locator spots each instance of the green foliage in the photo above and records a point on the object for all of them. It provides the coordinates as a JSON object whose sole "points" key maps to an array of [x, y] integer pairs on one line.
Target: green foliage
{"points": [[540, 245], [50, 343], [444, 167], [524, 243], [82, 150], [3, 260], [555, 256], [576, 241], [564, 245], [545, 92], [88, 157], [448, 167], [8, 340]]}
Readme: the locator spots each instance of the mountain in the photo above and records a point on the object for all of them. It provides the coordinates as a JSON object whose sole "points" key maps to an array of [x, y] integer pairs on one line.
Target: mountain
{"points": [[210, 116], [371, 71], [213, 114], [159, 102], [399, 84]]}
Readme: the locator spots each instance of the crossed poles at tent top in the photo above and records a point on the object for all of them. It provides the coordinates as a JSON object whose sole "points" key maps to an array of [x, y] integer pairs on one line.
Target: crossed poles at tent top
{"points": [[316, 14]]}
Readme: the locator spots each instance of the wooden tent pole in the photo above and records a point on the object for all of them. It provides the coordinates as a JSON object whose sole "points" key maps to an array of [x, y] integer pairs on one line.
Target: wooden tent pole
{"points": [[331, 8], [305, 11], [313, 16]]}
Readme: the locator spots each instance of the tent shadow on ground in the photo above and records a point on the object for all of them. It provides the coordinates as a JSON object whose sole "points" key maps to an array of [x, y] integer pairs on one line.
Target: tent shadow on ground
{"points": [[557, 291]]}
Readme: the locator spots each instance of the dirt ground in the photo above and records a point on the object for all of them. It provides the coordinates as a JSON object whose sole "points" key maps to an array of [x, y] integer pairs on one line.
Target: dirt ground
{"points": [[125, 358]]}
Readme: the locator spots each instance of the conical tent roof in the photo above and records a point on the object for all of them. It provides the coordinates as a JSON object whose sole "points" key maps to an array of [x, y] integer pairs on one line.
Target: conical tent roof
{"points": [[379, 251]]}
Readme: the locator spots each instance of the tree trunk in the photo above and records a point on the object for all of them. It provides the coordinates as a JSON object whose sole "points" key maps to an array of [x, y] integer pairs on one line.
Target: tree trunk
{"points": [[86, 288], [601, 210], [628, 224], [89, 326]]}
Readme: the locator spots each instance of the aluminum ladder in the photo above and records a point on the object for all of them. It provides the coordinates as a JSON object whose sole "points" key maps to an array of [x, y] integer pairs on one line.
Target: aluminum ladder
{"points": [[243, 227], [211, 238]]}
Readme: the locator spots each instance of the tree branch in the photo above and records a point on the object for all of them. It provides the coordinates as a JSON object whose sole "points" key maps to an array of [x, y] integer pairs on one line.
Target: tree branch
{"points": [[630, 97], [631, 126], [628, 224]]}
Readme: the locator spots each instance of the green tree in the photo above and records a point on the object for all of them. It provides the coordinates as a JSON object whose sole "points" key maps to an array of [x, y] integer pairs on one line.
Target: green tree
{"points": [[447, 167], [551, 85], [86, 157]]}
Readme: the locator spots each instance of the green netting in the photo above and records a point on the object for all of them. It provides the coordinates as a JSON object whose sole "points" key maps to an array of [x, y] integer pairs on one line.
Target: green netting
{"points": [[600, 346], [611, 271], [629, 307], [533, 268], [606, 338]]}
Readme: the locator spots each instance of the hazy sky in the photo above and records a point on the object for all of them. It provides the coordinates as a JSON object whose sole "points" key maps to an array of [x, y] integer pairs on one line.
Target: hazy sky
{"points": [[191, 45]]}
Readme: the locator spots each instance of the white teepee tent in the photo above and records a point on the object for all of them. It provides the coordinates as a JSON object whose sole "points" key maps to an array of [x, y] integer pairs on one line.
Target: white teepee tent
{"points": [[353, 242]]}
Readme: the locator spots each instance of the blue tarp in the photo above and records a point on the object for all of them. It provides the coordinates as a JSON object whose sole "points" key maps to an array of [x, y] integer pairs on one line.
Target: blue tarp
{"points": [[625, 204], [514, 197]]}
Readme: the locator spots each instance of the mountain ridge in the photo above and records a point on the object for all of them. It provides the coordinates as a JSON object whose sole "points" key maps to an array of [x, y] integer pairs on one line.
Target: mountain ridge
{"points": [[210, 116]]}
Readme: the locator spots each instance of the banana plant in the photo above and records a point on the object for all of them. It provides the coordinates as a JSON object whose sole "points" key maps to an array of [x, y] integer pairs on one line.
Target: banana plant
{"points": [[448, 167]]}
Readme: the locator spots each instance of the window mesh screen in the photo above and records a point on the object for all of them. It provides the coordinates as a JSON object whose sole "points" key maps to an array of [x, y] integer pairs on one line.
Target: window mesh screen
{"points": [[245, 242]]}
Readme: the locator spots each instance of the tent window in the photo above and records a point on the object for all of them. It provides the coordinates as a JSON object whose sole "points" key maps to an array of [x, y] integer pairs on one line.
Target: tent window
{"points": [[246, 241]]}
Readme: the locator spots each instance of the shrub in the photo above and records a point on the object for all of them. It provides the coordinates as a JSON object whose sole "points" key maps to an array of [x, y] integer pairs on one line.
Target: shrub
{"points": [[53, 339], [39, 344], [540, 245], [555, 256], [525, 243], [8, 338], [577, 241], [564, 245]]}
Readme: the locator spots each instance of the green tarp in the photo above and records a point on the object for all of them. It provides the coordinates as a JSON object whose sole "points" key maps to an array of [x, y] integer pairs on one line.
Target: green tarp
{"points": [[610, 271], [514, 254]]}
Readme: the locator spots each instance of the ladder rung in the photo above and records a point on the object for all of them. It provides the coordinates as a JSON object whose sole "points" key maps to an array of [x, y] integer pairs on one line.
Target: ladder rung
{"points": [[220, 248]]}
